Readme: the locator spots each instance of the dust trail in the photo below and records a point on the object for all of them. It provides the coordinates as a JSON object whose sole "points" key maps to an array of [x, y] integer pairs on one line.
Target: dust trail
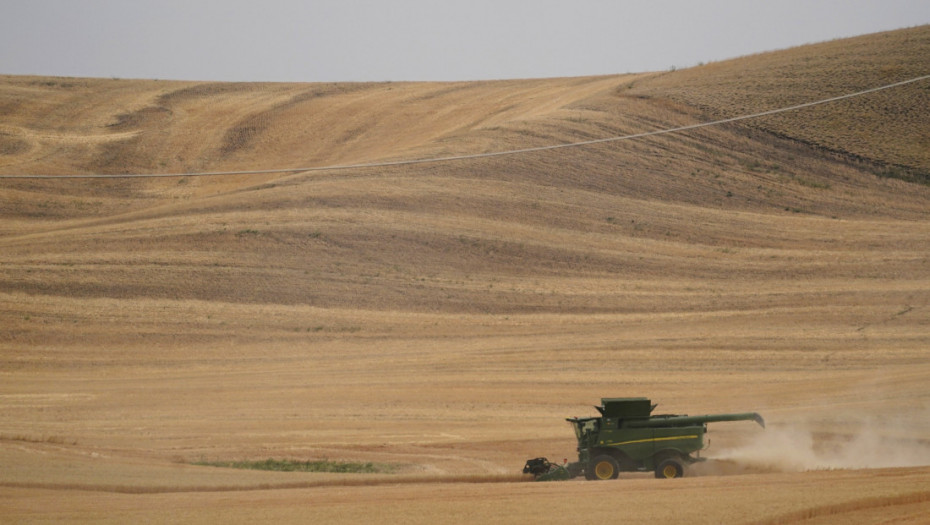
{"points": [[849, 444]]}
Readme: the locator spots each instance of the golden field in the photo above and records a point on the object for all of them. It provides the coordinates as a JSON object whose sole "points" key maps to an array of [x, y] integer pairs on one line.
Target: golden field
{"points": [[444, 318]]}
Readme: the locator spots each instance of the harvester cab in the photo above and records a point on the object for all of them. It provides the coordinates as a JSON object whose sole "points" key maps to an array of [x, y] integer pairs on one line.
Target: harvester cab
{"points": [[585, 428], [628, 437]]}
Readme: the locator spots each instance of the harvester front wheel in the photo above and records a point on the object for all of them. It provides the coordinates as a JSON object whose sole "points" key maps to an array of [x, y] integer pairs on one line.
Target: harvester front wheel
{"points": [[603, 467], [670, 468]]}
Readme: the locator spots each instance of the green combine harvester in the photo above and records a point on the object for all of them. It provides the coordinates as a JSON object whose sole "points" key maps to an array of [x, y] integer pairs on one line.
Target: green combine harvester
{"points": [[628, 438]]}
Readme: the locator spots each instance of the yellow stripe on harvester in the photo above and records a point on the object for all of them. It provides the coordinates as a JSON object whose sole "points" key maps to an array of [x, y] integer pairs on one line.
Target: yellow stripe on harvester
{"points": [[675, 438]]}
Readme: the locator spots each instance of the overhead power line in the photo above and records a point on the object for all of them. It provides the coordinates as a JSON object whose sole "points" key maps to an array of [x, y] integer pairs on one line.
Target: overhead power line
{"points": [[478, 155]]}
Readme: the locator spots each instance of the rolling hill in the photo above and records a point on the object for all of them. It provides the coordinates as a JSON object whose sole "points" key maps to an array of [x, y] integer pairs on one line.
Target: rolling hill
{"points": [[443, 317]]}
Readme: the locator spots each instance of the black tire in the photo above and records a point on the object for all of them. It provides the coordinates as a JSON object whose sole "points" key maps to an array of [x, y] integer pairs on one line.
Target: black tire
{"points": [[670, 468], [603, 467]]}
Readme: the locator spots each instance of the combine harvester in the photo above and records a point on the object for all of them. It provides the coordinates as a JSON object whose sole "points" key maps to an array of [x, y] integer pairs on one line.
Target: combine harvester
{"points": [[628, 438]]}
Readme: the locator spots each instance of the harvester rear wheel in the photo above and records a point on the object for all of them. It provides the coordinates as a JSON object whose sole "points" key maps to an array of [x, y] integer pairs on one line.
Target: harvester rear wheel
{"points": [[670, 468], [603, 467]]}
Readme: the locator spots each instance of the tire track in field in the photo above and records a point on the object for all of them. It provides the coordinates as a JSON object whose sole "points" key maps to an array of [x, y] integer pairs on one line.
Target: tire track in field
{"points": [[847, 508], [402, 480]]}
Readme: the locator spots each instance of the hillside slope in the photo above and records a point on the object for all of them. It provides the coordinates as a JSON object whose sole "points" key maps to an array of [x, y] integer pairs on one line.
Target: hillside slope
{"points": [[724, 202], [445, 317], [887, 129]]}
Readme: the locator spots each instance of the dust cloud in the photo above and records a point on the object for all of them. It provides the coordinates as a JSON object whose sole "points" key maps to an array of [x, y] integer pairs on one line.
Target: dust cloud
{"points": [[850, 444]]}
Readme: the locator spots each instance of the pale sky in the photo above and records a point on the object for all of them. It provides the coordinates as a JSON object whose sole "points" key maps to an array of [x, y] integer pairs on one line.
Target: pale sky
{"points": [[359, 40]]}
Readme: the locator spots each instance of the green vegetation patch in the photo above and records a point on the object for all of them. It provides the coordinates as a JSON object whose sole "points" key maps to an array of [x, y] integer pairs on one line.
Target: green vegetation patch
{"points": [[905, 174], [288, 465]]}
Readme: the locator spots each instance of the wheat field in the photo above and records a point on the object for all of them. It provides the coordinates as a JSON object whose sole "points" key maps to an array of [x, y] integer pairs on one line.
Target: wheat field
{"points": [[444, 318]]}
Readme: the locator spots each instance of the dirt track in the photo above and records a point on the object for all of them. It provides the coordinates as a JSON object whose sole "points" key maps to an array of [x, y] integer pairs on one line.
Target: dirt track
{"points": [[445, 318]]}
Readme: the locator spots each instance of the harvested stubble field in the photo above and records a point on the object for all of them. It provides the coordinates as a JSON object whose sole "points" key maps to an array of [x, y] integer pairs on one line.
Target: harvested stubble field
{"points": [[443, 318]]}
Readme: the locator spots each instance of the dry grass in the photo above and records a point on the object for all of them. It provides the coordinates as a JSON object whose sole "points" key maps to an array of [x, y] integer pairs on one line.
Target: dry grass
{"points": [[887, 128], [446, 317]]}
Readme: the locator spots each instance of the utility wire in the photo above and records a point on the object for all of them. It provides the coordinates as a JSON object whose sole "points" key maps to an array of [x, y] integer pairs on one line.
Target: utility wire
{"points": [[479, 155]]}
